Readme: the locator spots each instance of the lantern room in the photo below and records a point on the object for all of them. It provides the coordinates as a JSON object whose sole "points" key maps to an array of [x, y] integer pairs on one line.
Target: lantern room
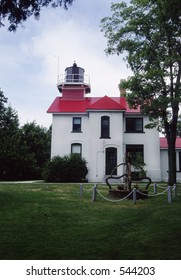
{"points": [[73, 79]]}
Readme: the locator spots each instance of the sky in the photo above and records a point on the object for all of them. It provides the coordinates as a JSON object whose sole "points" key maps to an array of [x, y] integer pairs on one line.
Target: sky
{"points": [[29, 58]]}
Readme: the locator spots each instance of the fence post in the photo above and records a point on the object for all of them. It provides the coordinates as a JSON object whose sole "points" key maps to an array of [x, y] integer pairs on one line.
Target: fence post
{"points": [[155, 188], [81, 190], [174, 190], [169, 194], [94, 193], [134, 195]]}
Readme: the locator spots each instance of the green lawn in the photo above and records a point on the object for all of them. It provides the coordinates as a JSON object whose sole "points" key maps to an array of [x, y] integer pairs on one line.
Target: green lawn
{"points": [[51, 221]]}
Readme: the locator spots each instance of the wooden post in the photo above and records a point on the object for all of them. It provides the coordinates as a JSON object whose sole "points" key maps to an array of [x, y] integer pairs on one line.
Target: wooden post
{"points": [[134, 195], [169, 194], [94, 193], [81, 190], [155, 188]]}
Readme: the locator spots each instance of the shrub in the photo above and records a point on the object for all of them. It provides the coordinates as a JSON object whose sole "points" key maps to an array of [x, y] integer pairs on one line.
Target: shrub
{"points": [[66, 169]]}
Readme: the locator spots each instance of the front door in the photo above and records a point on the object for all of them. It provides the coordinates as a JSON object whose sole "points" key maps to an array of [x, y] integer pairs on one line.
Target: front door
{"points": [[111, 160]]}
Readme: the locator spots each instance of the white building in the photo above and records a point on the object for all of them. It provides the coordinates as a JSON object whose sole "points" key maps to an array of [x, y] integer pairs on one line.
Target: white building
{"points": [[164, 158], [101, 129]]}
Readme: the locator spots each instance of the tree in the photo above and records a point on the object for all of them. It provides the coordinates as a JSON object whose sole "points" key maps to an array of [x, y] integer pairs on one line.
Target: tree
{"points": [[149, 32], [3, 100], [179, 126], [23, 150], [10, 146], [16, 12], [37, 140]]}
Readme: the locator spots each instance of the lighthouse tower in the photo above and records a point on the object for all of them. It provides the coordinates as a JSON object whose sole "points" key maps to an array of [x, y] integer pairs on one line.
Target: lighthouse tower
{"points": [[74, 84]]}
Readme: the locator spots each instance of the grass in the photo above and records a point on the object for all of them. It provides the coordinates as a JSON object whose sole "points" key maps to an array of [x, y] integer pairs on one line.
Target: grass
{"points": [[51, 221]]}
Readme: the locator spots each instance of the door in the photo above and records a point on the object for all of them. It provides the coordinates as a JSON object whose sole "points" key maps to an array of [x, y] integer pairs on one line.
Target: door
{"points": [[111, 160]]}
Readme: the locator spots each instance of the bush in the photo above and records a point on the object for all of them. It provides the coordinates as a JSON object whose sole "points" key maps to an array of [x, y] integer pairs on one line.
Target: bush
{"points": [[66, 169]]}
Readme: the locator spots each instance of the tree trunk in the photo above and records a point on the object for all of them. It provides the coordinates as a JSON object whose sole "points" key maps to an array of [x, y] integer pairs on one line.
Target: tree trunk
{"points": [[171, 135], [172, 178]]}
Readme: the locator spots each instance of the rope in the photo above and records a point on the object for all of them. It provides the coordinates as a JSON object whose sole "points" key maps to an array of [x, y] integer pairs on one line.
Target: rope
{"points": [[117, 200], [152, 194], [161, 187], [88, 190]]}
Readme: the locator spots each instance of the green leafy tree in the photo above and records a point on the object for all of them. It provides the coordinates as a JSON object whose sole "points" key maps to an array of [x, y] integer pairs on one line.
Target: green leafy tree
{"points": [[149, 33], [37, 140], [16, 12], [10, 146], [179, 126], [23, 150], [3, 101]]}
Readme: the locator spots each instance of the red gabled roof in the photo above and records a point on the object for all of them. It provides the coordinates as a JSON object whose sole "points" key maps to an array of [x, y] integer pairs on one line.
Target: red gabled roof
{"points": [[94, 103], [107, 103], [164, 145]]}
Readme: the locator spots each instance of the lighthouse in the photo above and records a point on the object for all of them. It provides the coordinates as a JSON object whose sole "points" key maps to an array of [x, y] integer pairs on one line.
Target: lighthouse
{"points": [[73, 84], [100, 129]]}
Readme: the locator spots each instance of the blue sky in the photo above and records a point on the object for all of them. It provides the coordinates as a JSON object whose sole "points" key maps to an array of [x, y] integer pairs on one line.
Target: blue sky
{"points": [[29, 57]]}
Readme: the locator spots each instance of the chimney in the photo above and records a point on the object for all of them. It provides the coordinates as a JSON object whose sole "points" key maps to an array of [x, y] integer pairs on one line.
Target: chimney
{"points": [[122, 88]]}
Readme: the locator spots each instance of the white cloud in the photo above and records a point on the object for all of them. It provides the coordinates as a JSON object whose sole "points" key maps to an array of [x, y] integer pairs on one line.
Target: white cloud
{"points": [[29, 64]]}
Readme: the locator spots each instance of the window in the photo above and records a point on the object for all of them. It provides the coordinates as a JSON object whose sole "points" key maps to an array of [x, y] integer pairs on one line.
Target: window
{"points": [[134, 125], [179, 161], [76, 148], [105, 127], [135, 150], [76, 125]]}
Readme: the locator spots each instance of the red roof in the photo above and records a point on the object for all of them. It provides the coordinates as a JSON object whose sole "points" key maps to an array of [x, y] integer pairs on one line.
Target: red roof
{"points": [[129, 110], [164, 145], [108, 103], [60, 105], [68, 106]]}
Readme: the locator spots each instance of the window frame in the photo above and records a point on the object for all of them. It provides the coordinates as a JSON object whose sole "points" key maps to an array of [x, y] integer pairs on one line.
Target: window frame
{"points": [[76, 128], [136, 148], [131, 127], [76, 144], [105, 128], [179, 161]]}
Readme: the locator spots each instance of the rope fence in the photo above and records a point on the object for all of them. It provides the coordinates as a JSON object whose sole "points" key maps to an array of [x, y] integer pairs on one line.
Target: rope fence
{"points": [[82, 189], [171, 193], [114, 200]]}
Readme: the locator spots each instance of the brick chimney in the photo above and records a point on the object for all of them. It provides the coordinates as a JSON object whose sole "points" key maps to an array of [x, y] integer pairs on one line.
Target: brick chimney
{"points": [[121, 88]]}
